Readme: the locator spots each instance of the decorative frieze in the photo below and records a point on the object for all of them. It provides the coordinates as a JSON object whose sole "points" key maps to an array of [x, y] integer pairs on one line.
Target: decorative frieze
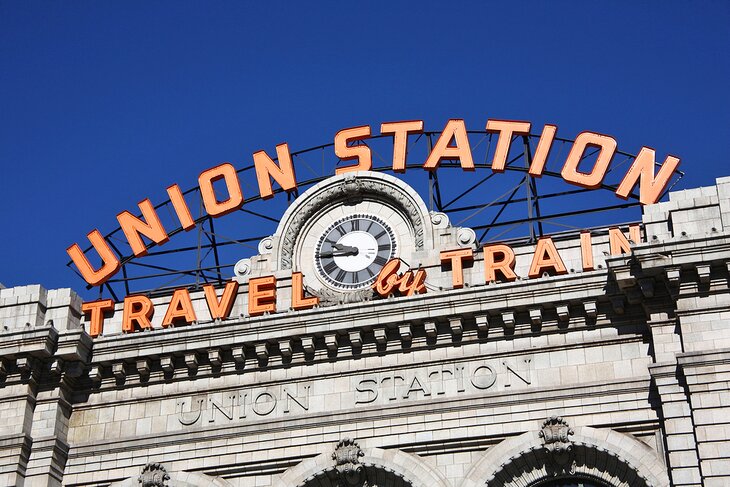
{"points": [[536, 316], [456, 326], [239, 355], [191, 361], [95, 373], [119, 371], [563, 311], [167, 364], [405, 333], [673, 275], [703, 273], [214, 357], [143, 367], [25, 364], [430, 328], [262, 351], [56, 366], [482, 322], [285, 348], [331, 342], [508, 319], [356, 338], [308, 344], [590, 307]]}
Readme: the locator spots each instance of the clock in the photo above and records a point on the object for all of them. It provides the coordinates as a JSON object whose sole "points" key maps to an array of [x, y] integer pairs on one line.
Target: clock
{"points": [[352, 250]]}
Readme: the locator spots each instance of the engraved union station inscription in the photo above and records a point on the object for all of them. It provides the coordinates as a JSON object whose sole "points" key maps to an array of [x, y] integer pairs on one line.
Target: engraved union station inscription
{"points": [[239, 405], [329, 394], [442, 380]]}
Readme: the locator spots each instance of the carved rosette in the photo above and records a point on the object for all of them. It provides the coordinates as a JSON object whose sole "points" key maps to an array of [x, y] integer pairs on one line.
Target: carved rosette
{"points": [[555, 434], [350, 472], [153, 475]]}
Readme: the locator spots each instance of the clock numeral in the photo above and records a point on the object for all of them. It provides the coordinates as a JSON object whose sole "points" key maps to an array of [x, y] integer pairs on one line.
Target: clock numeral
{"points": [[384, 247], [341, 276], [357, 277], [355, 225], [340, 230], [380, 260], [330, 266], [370, 225], [377, 237], [370, 272]]}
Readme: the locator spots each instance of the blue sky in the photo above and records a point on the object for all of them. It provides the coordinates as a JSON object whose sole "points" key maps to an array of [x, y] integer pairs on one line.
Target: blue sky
{"points": [[103, 104]]}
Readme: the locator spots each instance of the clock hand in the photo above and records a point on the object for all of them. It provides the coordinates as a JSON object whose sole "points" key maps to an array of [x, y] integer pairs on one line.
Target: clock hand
{"points": [[343, 247], [340, 251]]}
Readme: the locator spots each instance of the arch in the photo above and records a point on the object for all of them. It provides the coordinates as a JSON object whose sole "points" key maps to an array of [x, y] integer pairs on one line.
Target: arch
{"points": [[389, 467], [602, 455]]}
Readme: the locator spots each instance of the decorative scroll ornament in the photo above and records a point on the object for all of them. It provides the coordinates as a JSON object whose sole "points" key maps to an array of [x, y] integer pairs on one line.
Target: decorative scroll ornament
{"points": [[265, 245], [347, 463], [439, 219], [242, 267], [466, 237], [153, 475], [556, 440]]}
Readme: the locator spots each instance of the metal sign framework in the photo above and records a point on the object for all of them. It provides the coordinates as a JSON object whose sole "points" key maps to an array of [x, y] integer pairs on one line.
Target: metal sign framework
{"points": [[497, 206]]}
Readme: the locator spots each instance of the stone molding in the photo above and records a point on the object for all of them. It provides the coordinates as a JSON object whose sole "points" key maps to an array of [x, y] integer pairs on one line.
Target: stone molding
{"points": [[441, 308]]}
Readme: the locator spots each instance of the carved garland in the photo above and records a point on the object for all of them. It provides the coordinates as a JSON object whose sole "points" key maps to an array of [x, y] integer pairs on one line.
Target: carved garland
{"points": [[350, 188]]}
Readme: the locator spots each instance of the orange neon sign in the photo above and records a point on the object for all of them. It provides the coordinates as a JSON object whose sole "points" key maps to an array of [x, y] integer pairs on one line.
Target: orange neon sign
{"points": [[452, 144], [499, 263]]}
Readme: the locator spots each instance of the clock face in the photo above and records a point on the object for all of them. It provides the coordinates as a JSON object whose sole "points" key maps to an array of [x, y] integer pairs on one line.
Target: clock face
{"points": [[351, 251]]}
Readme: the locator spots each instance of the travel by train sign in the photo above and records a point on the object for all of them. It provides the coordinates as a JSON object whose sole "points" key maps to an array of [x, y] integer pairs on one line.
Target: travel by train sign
{"points": [[499, 264], [351, 145]]}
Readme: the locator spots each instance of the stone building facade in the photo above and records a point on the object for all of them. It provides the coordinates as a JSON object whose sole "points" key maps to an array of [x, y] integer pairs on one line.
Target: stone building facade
{"points": [[610, 377]]}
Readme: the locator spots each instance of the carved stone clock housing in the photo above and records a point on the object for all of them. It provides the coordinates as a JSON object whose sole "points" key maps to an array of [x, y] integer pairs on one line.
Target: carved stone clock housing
{"points": [[340, 233]]}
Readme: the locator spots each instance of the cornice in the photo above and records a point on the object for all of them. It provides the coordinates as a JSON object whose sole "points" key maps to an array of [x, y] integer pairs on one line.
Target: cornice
{"points": [[485, 299]]}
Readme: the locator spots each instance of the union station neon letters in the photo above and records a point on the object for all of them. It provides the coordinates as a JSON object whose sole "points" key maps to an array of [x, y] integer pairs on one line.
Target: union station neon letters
{"points": [[452, 144]]}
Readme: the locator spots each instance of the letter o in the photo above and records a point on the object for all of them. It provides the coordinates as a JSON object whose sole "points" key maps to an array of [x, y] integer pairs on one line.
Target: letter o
{"points": [[256, 403], [228, 174], [483, 381]]}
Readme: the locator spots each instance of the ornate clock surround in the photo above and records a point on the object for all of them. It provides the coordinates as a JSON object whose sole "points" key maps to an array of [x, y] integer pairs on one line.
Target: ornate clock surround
{"points": [[346, 189]]}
